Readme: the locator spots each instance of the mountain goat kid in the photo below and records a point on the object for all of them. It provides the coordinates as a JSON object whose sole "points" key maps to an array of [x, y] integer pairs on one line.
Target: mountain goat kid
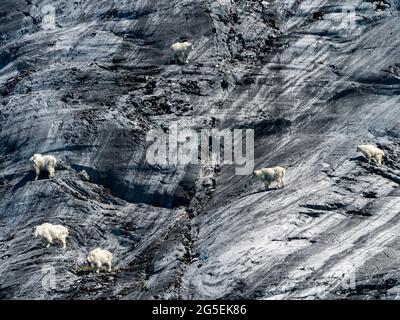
{"points": [[372, 153], [100, 257], [52, 232], [180, 52], [44, 163], [269, 175]]}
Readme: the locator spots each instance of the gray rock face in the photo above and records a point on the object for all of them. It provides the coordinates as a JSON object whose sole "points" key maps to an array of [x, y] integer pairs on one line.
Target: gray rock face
{"points": [[86, 80]]}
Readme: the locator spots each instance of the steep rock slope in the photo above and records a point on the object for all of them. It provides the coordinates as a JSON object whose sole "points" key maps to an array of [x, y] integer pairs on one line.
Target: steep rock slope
{"points": [[312, 78]]}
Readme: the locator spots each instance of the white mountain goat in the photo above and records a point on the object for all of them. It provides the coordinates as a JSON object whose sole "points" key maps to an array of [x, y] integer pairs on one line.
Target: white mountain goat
{"points": [[99, 257], [180, 52], [52, 232], [372, 153], [44, 163], [270, 175]]}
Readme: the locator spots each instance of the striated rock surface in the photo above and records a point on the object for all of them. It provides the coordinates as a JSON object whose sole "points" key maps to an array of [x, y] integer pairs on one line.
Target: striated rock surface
{"points": [[87, 80]]}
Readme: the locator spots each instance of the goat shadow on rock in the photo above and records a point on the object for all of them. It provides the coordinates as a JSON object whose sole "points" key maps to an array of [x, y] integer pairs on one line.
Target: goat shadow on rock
{"points": [[259, 191], [30, 176], [359, 158]]}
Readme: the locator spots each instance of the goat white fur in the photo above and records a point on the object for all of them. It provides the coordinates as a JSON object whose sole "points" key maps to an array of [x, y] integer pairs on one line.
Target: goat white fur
{"points": [[270, 175], [99, 257], [44, 163], [180, 52], [52, 232], [372, 153]]}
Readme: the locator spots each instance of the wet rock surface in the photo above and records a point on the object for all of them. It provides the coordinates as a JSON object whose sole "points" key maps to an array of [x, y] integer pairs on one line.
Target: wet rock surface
{"points": [[313, 78]]}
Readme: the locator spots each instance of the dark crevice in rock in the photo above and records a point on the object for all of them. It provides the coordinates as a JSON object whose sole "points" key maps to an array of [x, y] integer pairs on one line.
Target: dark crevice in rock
{"points": [[326, 206], [312, 214], [318, 15]]}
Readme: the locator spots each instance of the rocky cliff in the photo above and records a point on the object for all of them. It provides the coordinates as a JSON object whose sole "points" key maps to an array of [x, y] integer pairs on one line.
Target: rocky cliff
{"points": [[86, 80]]}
